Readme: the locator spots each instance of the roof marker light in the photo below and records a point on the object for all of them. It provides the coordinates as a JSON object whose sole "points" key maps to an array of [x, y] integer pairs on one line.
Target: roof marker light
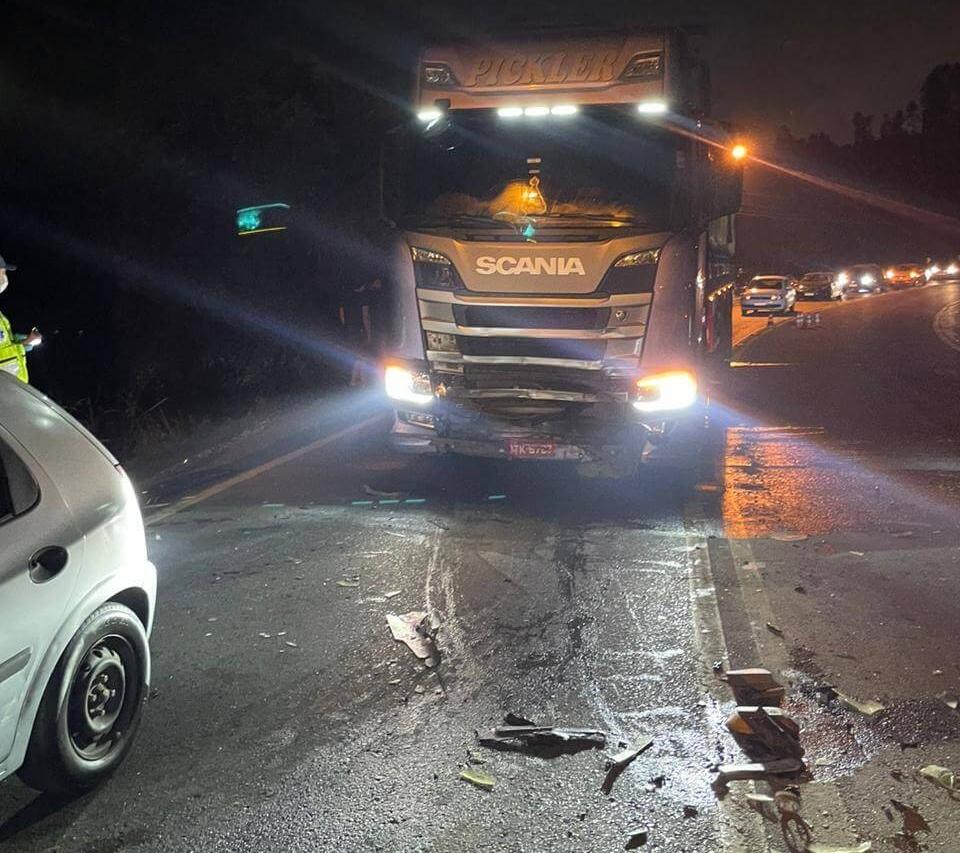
{"points": [[564, 110], [536, 111], [652, 108], [510, 112]]}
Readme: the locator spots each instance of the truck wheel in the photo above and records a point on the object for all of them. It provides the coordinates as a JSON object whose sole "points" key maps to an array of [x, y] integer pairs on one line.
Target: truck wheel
{"points": [[90, 709]]}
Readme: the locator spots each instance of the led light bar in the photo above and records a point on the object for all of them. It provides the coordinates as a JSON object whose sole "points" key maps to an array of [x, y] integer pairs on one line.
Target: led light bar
{"points": [[652, 108]]}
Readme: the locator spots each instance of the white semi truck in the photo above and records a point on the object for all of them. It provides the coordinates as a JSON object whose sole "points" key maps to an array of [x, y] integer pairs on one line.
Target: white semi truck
{"points": [[563, 270]]}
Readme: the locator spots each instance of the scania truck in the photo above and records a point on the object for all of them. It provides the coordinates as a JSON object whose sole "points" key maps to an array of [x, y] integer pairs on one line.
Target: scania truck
{"points": [[563, 271]]}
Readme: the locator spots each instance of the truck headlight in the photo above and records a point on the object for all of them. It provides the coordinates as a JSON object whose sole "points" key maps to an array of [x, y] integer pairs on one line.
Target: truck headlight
{"points": [[662, 392], [406, 385], [433, 270], [953, 269], [866, 279], [843, 278]]}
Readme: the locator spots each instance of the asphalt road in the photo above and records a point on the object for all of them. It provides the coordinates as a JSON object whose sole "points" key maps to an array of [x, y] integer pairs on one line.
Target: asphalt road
{"points": [[284, 717]]}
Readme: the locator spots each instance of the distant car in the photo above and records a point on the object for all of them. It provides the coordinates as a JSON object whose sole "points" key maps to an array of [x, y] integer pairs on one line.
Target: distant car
{"points": [[904, 275], [948, 270], [769, 294], [862, 278], [819, 285], [77, 597]]}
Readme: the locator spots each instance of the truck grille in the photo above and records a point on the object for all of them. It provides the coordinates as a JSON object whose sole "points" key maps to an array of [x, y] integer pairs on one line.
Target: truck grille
{"points": [[500, 317], [532, 348]]}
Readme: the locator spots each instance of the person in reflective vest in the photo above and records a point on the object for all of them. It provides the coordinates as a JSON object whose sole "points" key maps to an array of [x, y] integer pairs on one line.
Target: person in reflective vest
{"points": [[14, 347]]}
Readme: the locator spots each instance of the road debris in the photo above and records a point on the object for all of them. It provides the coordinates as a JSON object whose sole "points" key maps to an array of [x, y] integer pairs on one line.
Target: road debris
{"points": [[417, 631], [636, 837], [816, 847], [474, 756], [762, 799], [869, 709], [755, 687], [913, 821], [478, 778], [690, 811], [789, 537], [951, 700], [788, 802], [774, 629], [618, 762], [393, 593], [943, 776], [265, 635], [770, 728], [734, 772], [857, 553], [521, 735], [349, 584]]}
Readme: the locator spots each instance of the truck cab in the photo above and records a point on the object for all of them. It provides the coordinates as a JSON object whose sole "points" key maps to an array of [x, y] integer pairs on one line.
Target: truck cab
{"points": [[563, 267]]}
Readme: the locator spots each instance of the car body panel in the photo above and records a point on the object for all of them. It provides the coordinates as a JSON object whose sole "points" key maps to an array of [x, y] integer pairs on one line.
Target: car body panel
{"points": [[88, 506]]}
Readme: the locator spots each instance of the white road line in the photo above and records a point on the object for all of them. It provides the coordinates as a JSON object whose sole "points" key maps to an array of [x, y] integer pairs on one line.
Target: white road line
{"points": [[947, 325], [243, 476]]}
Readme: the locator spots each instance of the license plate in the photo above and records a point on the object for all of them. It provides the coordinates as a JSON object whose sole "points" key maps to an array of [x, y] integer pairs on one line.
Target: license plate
{"points": [[523, 449]]}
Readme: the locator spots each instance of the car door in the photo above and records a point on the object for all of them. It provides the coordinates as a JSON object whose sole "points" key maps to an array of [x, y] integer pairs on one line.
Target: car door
{"points": [[40, 555]]}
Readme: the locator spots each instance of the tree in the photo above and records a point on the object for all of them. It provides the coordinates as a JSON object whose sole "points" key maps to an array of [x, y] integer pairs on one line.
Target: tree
{"points": [[862, 129]]}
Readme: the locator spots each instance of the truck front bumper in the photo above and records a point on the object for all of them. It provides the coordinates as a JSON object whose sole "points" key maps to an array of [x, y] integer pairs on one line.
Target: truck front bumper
{"points": [[638, 441]]}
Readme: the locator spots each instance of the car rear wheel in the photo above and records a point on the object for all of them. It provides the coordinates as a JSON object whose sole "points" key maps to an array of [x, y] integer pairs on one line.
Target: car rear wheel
{"points": [[91, 708]]}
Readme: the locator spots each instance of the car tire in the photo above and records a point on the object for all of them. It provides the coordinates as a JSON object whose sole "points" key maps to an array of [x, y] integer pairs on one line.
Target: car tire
{"points": [[91, 708]]}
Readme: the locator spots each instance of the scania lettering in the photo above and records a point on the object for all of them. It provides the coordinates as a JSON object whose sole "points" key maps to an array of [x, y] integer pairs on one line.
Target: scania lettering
{"points": [[563, 270], [532, 266]]}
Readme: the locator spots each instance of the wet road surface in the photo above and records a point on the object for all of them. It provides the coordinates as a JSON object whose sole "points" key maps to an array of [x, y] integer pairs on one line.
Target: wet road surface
{"points": [[284, 716]]}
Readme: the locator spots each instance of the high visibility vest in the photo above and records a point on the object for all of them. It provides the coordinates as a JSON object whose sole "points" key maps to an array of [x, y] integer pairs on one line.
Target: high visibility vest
{"points": [[13, 357]]}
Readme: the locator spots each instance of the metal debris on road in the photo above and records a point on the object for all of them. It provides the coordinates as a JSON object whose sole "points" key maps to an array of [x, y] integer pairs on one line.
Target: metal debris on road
{"points": [[755, 687], [618, 762], [392, 594], [815, 847], [943, 776], [418, 632], [478, 778], [636, 837]]}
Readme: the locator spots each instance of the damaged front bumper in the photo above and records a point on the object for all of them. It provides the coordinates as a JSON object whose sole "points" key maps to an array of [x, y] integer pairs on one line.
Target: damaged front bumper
{"points": [[628, 440]]}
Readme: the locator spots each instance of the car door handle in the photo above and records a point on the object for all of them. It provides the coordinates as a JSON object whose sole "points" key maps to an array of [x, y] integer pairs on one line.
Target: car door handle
{"points": [[47, 563]]}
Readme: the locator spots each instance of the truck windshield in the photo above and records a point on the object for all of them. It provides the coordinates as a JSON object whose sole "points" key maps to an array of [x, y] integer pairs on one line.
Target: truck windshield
{"points": [[601, 167]]}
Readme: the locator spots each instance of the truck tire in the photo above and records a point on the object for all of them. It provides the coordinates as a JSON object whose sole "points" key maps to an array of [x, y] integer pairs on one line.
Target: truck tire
{"points": [[91, 707]]}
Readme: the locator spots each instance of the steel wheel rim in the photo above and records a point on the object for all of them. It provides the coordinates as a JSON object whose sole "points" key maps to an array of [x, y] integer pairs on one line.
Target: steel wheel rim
{"points": [[101, 698]]}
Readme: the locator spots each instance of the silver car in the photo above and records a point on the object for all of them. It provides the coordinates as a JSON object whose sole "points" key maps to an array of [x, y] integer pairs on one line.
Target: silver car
{"points": [[769, 294], [77, 597]]}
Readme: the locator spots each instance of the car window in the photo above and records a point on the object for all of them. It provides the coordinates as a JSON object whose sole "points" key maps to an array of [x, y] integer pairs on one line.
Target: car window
{"points": [[19, 491]]}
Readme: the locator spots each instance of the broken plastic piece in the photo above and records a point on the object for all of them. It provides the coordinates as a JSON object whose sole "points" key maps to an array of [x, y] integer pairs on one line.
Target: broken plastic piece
{"points": [[478, 778], [636, 837], [755, 687], [771, 727], [416, 631], [619, 762], [348, 584], [869, 708], [941, 775], [951, 700], [733, 772]]}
